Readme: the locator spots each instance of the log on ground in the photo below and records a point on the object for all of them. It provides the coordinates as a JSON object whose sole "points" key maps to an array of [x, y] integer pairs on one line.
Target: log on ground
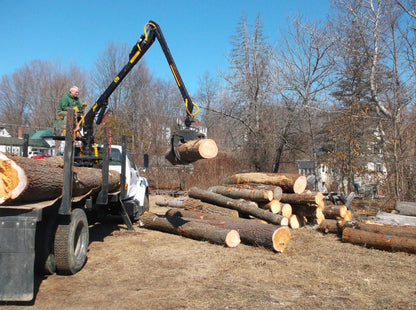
{"points": [[26, 180], [378, 240], [332, 226], [252, 232], [198, 231], [397, 230], [290, 183], [242, 206]]}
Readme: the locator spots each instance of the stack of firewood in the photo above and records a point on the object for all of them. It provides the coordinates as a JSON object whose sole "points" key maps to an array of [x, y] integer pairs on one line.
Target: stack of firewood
{"points": [[373, 235], [254, 208]]}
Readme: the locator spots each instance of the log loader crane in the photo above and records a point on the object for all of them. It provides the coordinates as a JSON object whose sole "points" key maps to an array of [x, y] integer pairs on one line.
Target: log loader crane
{"points": [[53, 236], [95, 115]]}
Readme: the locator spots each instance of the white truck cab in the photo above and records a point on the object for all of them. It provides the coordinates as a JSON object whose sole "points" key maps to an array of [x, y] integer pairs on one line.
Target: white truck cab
{"points": [[136, 185]]}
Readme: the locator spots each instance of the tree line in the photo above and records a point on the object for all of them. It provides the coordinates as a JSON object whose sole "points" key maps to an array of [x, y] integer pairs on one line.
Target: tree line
{"points": [[338, 91]]}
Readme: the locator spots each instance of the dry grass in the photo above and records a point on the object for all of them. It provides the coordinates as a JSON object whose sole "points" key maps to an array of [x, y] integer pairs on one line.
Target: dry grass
{"points": [[153, 270]]}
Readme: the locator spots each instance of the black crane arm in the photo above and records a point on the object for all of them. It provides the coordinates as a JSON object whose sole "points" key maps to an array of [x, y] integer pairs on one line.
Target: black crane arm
{"points": [[152, 32]]}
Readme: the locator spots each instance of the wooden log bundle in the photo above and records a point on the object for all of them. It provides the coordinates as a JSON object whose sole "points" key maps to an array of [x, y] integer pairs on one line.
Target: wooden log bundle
{"points": [[251, 232], [26, 180], [242, 206], [190, 229], [193, 150], [290, 183]]}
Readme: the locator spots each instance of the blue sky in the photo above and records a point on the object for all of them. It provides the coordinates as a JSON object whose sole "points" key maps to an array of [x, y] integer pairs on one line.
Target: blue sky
{"points": [[197, 31]]}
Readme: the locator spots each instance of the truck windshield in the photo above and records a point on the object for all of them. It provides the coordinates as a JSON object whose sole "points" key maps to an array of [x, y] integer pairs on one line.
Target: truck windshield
{"points": [[115, 157]]}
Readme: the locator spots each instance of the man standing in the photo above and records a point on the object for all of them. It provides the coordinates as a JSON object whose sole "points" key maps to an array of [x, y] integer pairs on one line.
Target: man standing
{"points": [[69, 101]]}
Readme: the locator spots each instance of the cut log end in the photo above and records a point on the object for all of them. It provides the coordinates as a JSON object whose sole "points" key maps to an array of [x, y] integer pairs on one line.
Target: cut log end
{"points": [[12, 179], [300, 185], [294, 222], [232, 239], [207, 148], [192, 151], [281, 239]]}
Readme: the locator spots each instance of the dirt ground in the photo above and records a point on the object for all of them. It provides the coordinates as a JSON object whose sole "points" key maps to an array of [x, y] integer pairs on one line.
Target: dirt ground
{"points": [[148, 269]]}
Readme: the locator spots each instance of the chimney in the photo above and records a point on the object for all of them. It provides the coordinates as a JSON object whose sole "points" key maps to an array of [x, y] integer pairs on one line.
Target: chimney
{"points": [[19, 133]]}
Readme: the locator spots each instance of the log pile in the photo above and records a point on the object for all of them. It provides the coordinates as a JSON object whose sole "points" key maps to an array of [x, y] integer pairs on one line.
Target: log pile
{"points": [[261, 207]]}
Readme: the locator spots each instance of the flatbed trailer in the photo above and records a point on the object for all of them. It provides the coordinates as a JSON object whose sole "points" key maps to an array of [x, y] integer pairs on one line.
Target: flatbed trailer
{"points": [[53, 236]]}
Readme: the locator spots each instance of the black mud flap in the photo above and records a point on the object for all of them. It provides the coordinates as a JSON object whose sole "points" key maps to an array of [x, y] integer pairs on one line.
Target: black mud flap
{"points": [[17, 256]]}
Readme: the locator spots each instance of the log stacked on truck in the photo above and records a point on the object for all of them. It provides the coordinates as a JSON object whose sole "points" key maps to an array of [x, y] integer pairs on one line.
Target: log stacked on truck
{"points": [[26, 180]]}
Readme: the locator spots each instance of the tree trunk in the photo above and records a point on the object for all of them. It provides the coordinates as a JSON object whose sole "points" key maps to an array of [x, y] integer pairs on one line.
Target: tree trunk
{"points": [[198, 231], [257, 195], [290, 183], [378, 240], [26, 180], [251, 232], [242, 206], [193, 150]]}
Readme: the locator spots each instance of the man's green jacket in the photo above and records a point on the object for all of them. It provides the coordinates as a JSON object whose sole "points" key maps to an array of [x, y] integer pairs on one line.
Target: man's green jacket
{"points": [[68, 102]]}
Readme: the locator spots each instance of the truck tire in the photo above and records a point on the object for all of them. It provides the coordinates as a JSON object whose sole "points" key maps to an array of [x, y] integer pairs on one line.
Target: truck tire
{"points": [[71, 244]]}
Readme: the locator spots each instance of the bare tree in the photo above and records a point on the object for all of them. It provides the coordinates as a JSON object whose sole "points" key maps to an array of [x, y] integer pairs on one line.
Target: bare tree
{"points": [[302, 76], [250, 87], [378, 24], [30, 96]]}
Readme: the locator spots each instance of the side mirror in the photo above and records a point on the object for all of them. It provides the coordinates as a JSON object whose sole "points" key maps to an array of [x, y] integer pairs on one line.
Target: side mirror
{"points": [[145, 161]]}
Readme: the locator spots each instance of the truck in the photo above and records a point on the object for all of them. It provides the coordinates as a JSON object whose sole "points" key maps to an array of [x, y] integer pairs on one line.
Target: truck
{"points": [[47, 237]]}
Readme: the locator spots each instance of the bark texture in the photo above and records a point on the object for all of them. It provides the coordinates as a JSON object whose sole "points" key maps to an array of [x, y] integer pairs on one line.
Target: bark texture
{"points": [[252, 232], [243, 206], [290, 183], [190, 229]]}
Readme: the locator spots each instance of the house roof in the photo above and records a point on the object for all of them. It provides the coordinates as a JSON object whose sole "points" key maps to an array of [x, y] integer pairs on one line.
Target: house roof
{"points": [[19, 142], [41, 133], [306, 164]]}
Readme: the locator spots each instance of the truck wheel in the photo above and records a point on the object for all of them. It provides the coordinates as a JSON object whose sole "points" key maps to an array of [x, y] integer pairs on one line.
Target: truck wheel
{"points": [[71, 244]]}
